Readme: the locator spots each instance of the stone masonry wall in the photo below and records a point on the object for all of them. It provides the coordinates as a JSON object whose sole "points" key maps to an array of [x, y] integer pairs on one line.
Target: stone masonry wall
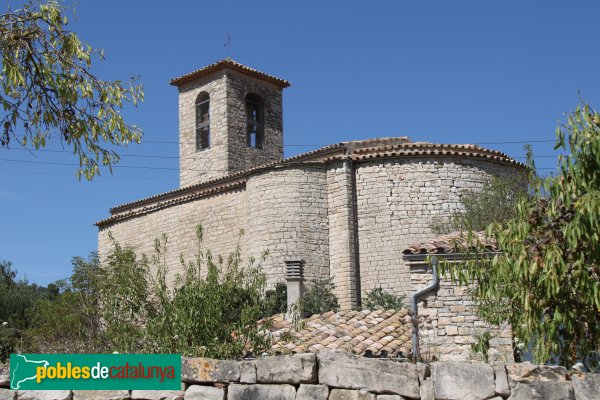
{"points": [[397, 201], [228, 150], [240, 156], [306, 211], [283, 212], [342, 234], [200, 165], [287, 215], [340, 376], [449, 324], [222, 217]]}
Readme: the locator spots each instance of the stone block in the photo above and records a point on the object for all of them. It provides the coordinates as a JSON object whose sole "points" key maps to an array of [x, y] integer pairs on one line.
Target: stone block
{"points": [[207, 370], [451, 330], [346, 371], [157, 394], [100, 394], [554, 390], [501, 380], [586, 387], [546, 390], [344, 394], [527, 372], [44, 395], [4, 375], [459, 381], [7, 394], [312, 392], [198, 392], [426, 390], [294, 369], [263, 392], [247, 372]]}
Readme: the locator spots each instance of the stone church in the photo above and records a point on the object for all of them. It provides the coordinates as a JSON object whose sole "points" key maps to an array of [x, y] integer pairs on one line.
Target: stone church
{"points": [[347, 210]]}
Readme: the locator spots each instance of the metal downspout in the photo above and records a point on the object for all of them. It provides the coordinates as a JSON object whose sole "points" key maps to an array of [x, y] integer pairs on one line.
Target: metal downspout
{"points": [[414, 300]]}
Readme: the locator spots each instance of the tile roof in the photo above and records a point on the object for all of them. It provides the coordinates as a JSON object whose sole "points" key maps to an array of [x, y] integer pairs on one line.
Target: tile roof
{"points": [[359, 150], [233, 65], [385, 333], [455, 242]]}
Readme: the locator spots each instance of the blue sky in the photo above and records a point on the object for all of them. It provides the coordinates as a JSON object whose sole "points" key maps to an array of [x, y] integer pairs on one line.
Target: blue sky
{"points": [[450, 72]]}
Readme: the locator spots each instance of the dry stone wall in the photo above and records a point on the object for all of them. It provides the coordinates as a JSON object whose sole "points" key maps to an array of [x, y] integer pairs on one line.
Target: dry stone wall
{"points": [[341, 376]]}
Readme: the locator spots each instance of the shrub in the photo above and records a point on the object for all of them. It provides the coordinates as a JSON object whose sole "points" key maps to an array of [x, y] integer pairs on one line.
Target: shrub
{"points": [[378, 299], [17, 299], [275, 301], [319, 297], [216, 316]]}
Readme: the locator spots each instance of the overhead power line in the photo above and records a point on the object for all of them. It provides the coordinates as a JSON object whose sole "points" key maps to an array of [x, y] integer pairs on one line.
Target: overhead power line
{"points": [[100, 176], [329, 144], [186, 158], [132, 166]]}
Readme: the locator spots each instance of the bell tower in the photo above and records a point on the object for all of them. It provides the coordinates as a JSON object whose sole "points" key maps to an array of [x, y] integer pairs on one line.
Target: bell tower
{"points": [[230, 119]]}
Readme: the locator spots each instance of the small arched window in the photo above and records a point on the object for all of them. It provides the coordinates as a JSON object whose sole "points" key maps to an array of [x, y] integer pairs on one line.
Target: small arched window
{"points": [[255, 116], [202, 121]]}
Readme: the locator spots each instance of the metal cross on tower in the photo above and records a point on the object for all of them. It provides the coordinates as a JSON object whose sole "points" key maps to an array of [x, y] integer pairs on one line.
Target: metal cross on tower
{"points": [[227, 43]]}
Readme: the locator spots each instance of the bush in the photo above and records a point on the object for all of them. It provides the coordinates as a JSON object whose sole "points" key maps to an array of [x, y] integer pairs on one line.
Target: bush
{"points": [[216, 316], [17, 300], [275, 301], [378, 299], [69, 319], [122, 306], [319, 297], [495, 202]]}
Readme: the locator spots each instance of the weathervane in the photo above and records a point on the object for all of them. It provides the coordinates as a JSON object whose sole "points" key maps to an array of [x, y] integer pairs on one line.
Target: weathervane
{"points": [[228, 43]]}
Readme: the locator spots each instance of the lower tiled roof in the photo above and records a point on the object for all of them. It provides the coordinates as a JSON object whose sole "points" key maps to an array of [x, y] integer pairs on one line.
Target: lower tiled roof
{"points": [[455, 242], [385, 333]]}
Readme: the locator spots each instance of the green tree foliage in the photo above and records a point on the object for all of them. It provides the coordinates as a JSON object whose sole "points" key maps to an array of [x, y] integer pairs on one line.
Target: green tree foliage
{"points": [[214, 316], [378, 299], [212, 309], [17, 299], [495, 202], [48, 89], [69, 319], [546, 283], [319, 297], [275, 300]]}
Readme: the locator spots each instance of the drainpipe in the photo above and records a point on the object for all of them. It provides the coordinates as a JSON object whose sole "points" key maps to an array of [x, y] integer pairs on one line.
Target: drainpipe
{"points": [[414, 300]]}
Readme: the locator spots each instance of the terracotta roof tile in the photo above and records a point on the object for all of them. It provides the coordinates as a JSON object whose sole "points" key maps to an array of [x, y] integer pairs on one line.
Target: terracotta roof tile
{"points": [[377, 331], [456, 242], [233, 65]]}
